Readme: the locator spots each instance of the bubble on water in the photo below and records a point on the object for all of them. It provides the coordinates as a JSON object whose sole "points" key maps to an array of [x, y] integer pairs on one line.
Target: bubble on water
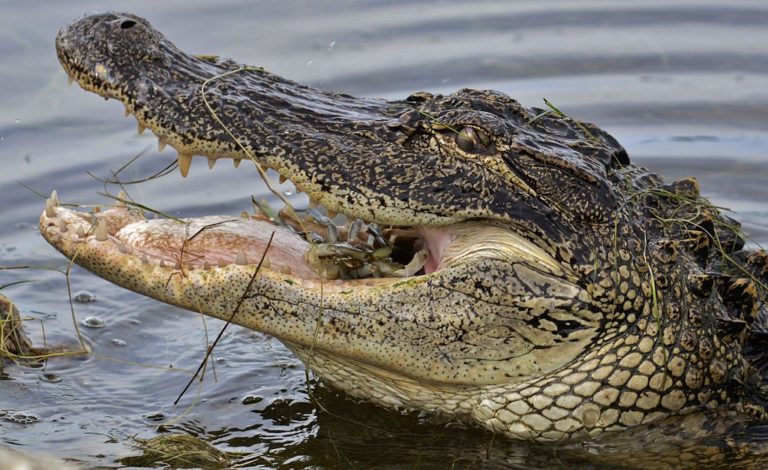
{"points": [[117, 342], [18, 121], [84, 296], [51, 377], [93, 322], [19, 417], [251, 399]]}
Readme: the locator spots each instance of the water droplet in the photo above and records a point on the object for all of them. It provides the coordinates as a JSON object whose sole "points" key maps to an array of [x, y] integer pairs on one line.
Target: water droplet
{"points": [[288, 192], [18, 121], [84, 297], [93, 322], [330, 46], [309, 62]]}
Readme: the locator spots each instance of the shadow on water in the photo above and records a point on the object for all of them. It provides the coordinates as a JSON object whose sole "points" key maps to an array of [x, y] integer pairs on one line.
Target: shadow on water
{"points": [[681, 85]]}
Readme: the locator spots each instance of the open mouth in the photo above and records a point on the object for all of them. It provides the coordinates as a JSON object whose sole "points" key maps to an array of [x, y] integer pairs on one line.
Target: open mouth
{"points": [[305, 247], [308, 246], [315, 244]]}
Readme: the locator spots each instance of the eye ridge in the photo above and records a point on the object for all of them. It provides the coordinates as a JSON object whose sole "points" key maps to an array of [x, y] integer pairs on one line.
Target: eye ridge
{"points": [[473, 140]]}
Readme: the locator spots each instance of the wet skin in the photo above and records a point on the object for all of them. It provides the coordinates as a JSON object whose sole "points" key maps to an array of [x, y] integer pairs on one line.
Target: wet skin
{"points": [[558, 292]]}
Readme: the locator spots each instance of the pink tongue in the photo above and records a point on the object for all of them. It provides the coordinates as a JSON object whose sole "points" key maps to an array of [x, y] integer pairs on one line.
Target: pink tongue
{"points": [[435, 241]]}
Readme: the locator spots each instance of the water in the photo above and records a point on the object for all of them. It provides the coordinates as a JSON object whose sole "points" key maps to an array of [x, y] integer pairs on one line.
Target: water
{"points": [[681, 84]]}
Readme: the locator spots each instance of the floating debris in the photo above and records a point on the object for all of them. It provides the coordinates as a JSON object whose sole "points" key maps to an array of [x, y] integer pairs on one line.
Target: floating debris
{"points": [[180, 451]]}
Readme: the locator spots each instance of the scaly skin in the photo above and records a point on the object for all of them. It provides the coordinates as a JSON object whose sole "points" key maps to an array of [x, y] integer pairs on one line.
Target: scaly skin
{"points": [[573, 293]]}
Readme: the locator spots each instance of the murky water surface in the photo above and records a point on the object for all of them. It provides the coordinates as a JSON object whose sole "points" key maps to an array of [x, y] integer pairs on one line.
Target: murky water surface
{"points": [[683, 85]]}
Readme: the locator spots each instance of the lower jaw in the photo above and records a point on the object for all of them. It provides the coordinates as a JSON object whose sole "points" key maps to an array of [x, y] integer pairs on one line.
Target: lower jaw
{"points": [[207, 243]]}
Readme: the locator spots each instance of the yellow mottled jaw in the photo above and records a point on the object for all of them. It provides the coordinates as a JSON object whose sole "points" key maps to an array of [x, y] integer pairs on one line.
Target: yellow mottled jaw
{"points": [[120, 243]]}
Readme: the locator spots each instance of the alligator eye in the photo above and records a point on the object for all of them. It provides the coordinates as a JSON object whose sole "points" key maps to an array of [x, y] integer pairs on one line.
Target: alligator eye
{"points": [[127, 24], [472, 140]]}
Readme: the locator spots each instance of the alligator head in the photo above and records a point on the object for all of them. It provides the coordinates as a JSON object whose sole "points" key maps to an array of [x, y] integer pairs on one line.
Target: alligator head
{"points": [[546, 287]]}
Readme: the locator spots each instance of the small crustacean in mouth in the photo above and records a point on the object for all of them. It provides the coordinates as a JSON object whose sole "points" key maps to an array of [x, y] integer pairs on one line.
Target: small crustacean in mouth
{"points": [[353, 249]]}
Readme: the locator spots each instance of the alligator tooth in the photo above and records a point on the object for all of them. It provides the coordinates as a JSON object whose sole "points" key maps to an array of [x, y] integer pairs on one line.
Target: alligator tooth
{"points": [[313, 203], [266, 264], [245, 215], [177, 265], [240, 258], [236, 162], [144, 259], [140, 127], [185, 160], [127, 112], [80, 231], [70, 80], [122, 248], [282, 179], [211, 162], [161, 145], [222, 263], [206, 266], [49, 210], [331, 214], [55, 198], [162, 263], [122, 196], [62, 226], [101, 231]]}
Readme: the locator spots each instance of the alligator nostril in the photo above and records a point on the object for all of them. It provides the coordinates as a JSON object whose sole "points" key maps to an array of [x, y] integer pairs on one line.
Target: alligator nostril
{"points": [[127, 24]]}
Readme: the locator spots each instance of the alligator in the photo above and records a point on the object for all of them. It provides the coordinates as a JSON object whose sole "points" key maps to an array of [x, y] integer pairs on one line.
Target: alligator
{"points": [[503, 265]]}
